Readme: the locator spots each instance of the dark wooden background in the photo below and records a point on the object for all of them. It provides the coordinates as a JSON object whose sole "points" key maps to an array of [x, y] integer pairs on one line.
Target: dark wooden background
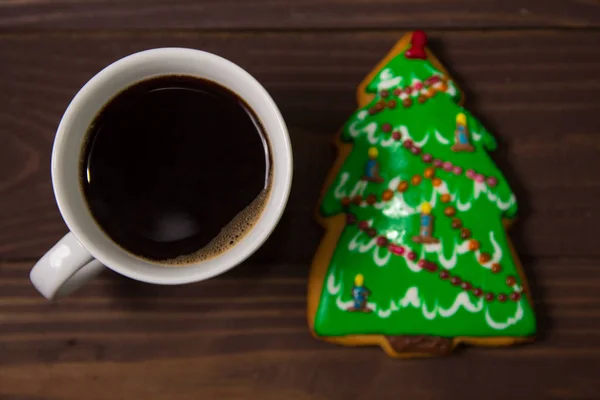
{"points": [[531, 72]]}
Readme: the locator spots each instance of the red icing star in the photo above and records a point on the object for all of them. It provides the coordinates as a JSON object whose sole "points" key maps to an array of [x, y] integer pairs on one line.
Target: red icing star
{"points": [[417, 46]]}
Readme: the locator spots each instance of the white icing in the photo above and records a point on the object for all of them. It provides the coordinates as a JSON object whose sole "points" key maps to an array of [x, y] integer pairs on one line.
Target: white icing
{"points": [[487, 265], [429, 314], [371, 129], [506, 205], [380, 205], [386, 74], [406, 135], [476, 136], [392, 235], [451, 89], [463, 206], [354, 242], [463, 247], [497, 256], [362, 114], [378, 259], [443, 188], [398, 208], [363, 248], [413, 266], [453, 196], [517, 288], [411, 298], [331, 286], [339, 190], [359, 188], [423, 141], [432, 247], [387, 80], [343, 305], [404, 131], [394, 183], [438, 248], [388, 142], [433, 199], [352, 129], [462, 300], [509, 321], [481, 187], [478, 189], [447, 263]]}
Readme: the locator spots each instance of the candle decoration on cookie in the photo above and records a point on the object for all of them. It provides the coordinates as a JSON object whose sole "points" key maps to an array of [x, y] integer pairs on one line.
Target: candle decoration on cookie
{"points": [[372, 167], [462, 141], [426, 227], [360, 295]]}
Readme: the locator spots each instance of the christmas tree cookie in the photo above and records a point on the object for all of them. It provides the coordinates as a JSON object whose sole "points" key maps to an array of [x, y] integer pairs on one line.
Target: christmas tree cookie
{"points": [[415, 257]]}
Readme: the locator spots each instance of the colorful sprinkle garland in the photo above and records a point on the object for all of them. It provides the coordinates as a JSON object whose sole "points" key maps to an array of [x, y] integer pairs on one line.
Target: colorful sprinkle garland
{"points": [[430, 266], [428, 92], [422, 90], [445, 165], [429, 173], [449, 211]]}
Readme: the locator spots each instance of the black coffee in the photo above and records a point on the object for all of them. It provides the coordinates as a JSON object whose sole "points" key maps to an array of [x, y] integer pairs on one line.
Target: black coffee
{"points": [[176, 169]]}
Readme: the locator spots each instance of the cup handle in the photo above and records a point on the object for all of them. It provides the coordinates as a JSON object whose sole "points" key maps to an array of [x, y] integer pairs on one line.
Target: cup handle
{"points": [[64, 268]]}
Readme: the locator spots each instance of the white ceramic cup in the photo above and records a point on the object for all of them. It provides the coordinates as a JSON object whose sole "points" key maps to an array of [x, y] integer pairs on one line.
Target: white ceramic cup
{"points": [[85, 250]]}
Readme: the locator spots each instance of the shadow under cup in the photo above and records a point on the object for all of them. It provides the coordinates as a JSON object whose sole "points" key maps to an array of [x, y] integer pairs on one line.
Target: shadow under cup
{"points": [[69, 145]]}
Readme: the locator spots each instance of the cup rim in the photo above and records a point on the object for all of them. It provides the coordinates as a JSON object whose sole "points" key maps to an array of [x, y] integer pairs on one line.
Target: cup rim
{"points": [[112, 255]]}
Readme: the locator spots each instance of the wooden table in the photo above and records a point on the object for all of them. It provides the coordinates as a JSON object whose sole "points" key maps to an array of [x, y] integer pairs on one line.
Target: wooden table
{"points": [[531, 73]]}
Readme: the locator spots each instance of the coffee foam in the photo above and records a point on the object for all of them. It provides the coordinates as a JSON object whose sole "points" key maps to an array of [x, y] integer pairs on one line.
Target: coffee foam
{"points": [[229, 236]]}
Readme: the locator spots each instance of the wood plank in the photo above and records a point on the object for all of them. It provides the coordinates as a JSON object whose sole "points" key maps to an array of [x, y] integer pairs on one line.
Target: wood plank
{"points": [[202, 341], [296, 14], [537, 91]]}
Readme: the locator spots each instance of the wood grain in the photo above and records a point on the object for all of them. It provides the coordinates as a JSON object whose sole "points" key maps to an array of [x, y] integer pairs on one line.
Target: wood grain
{"points": [[295, 14], [530, 71], [245, 334], [537, 91]]}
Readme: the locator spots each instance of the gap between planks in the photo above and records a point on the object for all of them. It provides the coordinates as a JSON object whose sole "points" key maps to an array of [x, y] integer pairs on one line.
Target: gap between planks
{"points": [[230, 32]]}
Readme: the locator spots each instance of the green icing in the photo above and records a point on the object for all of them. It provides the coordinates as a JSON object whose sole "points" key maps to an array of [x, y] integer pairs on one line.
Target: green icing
{"points": [[404, 298]]}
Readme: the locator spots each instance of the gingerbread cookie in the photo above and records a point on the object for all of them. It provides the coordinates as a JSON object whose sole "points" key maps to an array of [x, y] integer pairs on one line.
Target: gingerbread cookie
{"points": [[415, 257]]}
